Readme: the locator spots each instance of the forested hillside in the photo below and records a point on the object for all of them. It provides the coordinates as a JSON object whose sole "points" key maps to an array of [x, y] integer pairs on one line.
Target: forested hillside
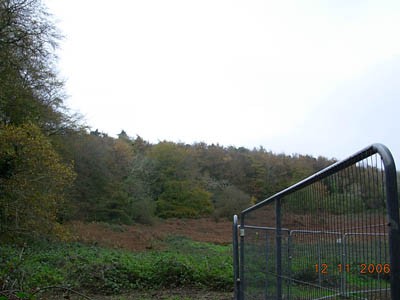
{"points": [[129, 180], [54, 169]]}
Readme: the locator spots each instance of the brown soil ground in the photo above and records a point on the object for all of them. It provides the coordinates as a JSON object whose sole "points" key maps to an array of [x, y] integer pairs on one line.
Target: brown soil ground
{"points": [[144, 237]]}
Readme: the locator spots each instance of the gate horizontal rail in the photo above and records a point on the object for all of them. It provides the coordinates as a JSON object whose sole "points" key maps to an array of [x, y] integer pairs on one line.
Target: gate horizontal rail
{"points": [[305, 241]]}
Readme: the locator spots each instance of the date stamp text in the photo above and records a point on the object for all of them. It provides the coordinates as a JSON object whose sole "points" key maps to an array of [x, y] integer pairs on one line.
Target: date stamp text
{"points": [[367, 268]]}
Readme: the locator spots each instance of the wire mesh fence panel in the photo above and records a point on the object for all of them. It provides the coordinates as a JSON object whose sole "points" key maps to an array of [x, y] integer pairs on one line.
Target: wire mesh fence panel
{"points": [[314, 264], [260, 257], [367, 265], [328, 237], [259, 253]]}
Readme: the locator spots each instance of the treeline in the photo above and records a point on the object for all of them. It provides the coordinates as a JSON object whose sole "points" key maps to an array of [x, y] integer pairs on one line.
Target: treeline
{"points": [[130, 180], [53, 169]]}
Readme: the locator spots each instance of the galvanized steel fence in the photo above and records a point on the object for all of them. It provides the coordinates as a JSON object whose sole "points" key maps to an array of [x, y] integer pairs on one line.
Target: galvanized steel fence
{"points": [[334, 235]]}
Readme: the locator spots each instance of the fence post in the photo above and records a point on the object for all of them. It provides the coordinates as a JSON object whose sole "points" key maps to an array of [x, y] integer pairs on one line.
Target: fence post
{"points": [[241, 259], [278, 249], [235, 257]]}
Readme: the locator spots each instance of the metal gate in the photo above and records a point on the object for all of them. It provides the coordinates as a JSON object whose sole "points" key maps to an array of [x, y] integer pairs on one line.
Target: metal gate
{"points": [[334, 235]]}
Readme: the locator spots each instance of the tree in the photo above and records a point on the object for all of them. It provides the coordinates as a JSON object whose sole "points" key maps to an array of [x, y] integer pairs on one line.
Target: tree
{"points": [[33, 182], [183, 199], [123, 136], [102, 165], [172, 161], [29, 88], [139, 186], [89, 153], [229, 201]]}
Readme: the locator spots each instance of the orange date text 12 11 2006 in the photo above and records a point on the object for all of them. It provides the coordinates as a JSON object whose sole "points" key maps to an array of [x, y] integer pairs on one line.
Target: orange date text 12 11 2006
{"points": [[361, 268]]}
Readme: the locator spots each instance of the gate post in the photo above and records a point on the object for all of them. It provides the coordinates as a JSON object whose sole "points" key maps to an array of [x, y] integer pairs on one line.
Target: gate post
{"points": [[235, 245], [241, 259], [278, 249], [392, 206]]}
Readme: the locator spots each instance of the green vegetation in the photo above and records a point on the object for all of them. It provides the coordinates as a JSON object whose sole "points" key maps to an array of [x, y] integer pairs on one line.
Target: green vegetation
{"points": [[54, 169], [184, 263]]}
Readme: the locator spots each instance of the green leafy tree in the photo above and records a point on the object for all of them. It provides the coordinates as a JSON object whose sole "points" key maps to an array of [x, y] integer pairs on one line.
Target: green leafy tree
{"points": [[173, 161], [33, 182], [102, 165], [183, 199], [178, 187]]}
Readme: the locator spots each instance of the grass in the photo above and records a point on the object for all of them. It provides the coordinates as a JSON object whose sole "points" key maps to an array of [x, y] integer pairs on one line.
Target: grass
{"points": [[184, 263]]}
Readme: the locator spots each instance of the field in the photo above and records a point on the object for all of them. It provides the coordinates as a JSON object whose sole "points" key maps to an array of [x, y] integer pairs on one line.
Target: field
{"points": [[147, 237], [172, 260]]}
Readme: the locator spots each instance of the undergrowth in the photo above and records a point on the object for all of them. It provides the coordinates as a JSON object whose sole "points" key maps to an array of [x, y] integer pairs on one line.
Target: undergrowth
{"points": [[108, 271]]}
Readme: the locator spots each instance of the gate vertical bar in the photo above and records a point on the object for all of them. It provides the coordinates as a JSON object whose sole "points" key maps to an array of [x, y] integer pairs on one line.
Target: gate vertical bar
{"points": [[278, 249], [241, 259], [319, 260], [394, 235], [266, 264], [393, 216], [235, 257], [290, 282], [343, 261]]}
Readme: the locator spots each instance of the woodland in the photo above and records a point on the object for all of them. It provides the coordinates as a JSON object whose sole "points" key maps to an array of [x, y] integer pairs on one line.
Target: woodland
{"points": [[55, 169]]}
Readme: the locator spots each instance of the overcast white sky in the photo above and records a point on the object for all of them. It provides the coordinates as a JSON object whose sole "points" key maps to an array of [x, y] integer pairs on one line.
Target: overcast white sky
{"points": [[309, 77]]}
